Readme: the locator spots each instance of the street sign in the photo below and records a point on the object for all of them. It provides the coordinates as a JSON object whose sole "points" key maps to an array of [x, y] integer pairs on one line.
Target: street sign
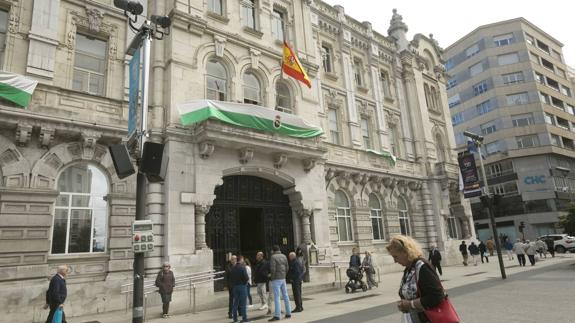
{"points": [[133, 92]]}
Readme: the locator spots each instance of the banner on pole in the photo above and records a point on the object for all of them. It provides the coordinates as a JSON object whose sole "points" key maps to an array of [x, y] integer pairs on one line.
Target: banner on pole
{"points": [[133, 92], [471, 187]]}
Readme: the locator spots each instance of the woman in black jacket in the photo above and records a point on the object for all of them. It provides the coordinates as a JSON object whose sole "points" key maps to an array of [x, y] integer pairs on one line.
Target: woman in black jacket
{"points": [[420, 286]]}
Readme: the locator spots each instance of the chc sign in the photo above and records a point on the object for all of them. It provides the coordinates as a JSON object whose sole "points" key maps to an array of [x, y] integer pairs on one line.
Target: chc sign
{"points": [[534, 180]]}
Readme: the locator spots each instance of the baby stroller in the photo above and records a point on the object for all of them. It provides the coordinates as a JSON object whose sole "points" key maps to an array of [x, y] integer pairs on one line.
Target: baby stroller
{"points": [[355, 275]]}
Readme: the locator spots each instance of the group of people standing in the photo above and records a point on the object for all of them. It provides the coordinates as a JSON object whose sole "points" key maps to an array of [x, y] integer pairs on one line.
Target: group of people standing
{"points": [[481, 251], [271, 277]]}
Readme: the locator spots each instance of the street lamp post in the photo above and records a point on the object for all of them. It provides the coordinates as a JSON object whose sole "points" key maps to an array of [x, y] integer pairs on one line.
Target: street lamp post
{"points": [[155, 28], [478, 140]]}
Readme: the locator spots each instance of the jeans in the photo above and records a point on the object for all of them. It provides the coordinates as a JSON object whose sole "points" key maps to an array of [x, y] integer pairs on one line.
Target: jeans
{"points": [[248, 287], [296, 289], [509, 254], [521, 259], [263, 295], [279, 288], [240, 297], [531, 259]]}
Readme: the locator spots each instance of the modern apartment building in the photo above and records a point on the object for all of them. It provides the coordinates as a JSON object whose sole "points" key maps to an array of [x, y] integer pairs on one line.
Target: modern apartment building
{"points": [[509, 82]]}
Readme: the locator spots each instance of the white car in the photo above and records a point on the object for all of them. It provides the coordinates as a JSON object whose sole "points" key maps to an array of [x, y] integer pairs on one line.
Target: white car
{"points": [[562, 242]]}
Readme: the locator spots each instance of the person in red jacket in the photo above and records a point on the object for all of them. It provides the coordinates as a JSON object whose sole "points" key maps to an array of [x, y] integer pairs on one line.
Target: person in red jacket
{"points": [[166, 281]]}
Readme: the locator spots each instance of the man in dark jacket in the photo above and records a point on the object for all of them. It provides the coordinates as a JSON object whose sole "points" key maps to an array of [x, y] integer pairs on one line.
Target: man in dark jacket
{"points": [[435, 258], [474, 251], [463, 250], [483, 251], [261, 279], [57, 292], [165, 281], [238, 280], [295, 276], [231, 263]]}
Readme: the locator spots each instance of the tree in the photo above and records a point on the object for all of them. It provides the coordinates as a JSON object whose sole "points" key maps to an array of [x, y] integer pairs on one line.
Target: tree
{"points": [[567, 221]]}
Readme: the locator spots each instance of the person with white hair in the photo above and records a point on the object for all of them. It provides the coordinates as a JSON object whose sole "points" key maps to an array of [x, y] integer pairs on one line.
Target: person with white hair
{"points": [[166, 281], [519, 249], [57, 293]]}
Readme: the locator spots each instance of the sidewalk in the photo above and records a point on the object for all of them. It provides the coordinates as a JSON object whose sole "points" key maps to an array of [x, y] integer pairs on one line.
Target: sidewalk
{"points": [[336, 302]]}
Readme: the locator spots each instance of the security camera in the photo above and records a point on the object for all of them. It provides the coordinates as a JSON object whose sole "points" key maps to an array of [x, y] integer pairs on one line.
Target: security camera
{"points": [[473, 136], [131, 6], [162, 21]]}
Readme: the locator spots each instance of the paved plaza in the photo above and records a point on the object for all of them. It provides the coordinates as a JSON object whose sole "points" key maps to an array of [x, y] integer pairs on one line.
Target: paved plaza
{"points": [[542, 293]]}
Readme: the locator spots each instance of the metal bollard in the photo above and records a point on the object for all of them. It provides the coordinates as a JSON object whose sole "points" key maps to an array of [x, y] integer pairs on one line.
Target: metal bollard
{"points": [[145, 305], [340, 284], [190, 295]]}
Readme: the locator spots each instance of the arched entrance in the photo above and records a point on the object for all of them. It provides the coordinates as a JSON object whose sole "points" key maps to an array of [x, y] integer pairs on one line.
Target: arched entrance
{"points": [[248, 214]]}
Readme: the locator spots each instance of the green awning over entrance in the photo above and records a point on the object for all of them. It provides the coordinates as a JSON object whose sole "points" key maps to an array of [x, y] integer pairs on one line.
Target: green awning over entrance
{"points": [[247, 116]]}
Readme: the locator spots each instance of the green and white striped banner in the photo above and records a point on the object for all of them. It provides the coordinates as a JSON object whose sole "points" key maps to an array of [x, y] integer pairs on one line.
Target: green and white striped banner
{"points": [[247, 116], [385, 154], [16, 88]]}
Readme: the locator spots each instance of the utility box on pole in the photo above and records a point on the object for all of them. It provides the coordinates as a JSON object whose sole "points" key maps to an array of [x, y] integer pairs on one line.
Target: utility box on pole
{"points": [[142, 236]]}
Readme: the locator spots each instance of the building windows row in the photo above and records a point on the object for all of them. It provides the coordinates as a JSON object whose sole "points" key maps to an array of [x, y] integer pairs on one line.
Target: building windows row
{"points": [[522, 120], [217, 86], [555, 102], [513, 78], [492, 148], [484, 107], [488, 128], [553, 84], [543, 47], [508, 188], [344, 219], [547, 64], [517, 98], [457, 118], [454, 100]]}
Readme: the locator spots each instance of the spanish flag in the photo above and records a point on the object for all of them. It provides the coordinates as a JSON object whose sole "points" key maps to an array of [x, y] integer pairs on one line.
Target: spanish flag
{"points": [[292, 67]]}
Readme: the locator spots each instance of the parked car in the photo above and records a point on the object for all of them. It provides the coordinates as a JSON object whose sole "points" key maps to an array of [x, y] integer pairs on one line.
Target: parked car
{"points": [[562, 242]]}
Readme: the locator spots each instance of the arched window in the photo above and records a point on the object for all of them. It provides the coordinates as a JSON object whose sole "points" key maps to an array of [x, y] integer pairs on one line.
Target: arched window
{"points": [[283, 98], [81, 211], [376, 217], [404, 224], [252, 89], [216, 81], [343, 216]]}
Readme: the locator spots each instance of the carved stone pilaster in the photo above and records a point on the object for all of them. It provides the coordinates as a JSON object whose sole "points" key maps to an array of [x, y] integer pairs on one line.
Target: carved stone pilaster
{"points": [[308, 164], [46, 137], [206, 149], [305, 215], [255, 58], [89, 139], [23, 134], [280, 160], [246, 154], [329, 174], [200, 224]]}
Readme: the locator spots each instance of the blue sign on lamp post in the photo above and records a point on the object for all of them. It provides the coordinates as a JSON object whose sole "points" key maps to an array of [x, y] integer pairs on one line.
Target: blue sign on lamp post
{"points": [[133, 92]]}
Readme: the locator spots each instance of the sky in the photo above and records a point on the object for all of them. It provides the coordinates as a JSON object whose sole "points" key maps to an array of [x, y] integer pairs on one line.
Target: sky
{"points": [[449, 20]]}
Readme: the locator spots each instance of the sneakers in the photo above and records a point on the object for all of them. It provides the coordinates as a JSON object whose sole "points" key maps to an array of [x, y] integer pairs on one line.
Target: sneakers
{"points": [[166, 316], [288, 316]]}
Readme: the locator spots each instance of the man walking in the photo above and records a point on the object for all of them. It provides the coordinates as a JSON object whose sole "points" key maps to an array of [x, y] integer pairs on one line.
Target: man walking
{"points": [[239, 283], [509, 247], [295, 276], [483, 251], [165, 281], [435, 258], [474, 251], [463, 250], [519, 250], [261, 279], [550, 246], [278, 269], [530, 250], [57, 292], [231, 264]]}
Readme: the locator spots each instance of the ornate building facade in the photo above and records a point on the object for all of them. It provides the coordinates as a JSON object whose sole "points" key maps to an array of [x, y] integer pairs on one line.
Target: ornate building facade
{"points": [[384, 164]]}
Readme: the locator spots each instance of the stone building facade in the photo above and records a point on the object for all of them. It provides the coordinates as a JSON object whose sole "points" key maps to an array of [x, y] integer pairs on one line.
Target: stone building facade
{"points": [[372, 94]]}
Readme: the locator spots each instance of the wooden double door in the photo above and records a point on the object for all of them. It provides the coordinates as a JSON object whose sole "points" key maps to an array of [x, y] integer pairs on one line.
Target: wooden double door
{"points": [[249, 214]]}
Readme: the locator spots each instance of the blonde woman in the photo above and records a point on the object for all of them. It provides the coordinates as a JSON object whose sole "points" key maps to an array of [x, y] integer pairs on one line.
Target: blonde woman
{"points": [[420, 286]]}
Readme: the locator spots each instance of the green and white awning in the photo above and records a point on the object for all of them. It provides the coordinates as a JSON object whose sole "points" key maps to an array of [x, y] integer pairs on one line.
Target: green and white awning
{"points": [[16, 88], [247, 116], [385, 154]]}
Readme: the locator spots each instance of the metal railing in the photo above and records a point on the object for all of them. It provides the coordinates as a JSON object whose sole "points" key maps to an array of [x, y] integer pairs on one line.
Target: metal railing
{"points": [[188, 282], [337, 271]]}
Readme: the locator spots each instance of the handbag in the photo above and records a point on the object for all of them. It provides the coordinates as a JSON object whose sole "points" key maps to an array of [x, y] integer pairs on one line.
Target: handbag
{"points": [[57, 318], [442, 313]]}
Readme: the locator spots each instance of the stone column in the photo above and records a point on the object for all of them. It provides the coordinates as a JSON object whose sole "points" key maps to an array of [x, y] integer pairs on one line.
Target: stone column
{"points": [[429, 214], [200, 212], [306, 225]]}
